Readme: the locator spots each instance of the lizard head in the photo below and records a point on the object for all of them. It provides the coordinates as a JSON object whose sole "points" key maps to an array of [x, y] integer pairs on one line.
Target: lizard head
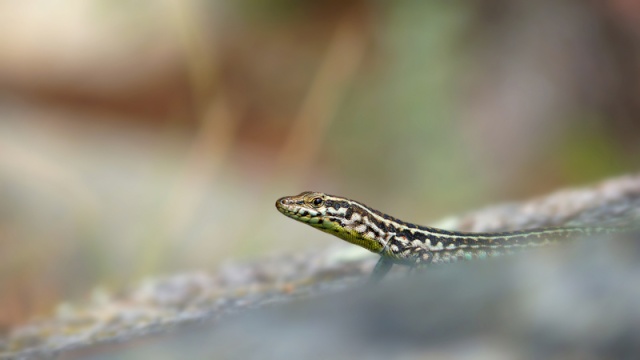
{"points": [[335, 215]]}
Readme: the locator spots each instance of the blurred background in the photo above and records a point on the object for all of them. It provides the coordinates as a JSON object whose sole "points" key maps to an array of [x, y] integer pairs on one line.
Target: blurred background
{"points": [[153, 137]]}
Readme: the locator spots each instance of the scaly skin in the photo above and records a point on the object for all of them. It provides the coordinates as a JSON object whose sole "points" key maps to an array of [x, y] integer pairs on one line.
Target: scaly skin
{"points": [[399, 242]]}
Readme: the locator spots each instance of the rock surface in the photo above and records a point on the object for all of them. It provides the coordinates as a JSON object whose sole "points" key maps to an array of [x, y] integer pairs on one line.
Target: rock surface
{"points": [[577, 301]]}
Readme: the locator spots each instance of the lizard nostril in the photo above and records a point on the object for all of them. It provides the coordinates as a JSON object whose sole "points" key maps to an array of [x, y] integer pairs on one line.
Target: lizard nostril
{"points": [[281, 202]]}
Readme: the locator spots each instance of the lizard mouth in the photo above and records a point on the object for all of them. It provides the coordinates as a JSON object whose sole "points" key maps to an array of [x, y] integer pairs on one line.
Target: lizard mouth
{"points": [[294, 212]]}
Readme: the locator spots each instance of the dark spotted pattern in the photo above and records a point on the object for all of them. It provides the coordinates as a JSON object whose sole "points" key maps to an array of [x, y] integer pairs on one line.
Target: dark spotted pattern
{"points": [[406, 243]]}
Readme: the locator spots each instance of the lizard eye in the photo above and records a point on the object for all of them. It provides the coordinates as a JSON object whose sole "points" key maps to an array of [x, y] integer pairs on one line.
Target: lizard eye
{"points": [[317, 201]]}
